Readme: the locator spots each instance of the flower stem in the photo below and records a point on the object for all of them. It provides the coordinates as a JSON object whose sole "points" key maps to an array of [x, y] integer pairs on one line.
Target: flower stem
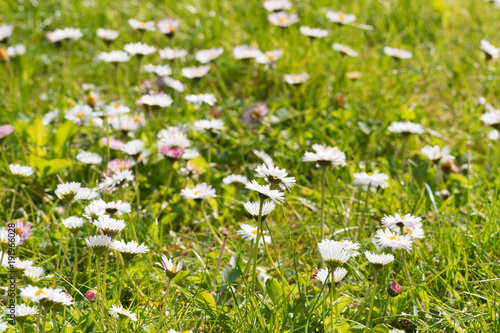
{"points": [[363, 216], [75, 259], [256, 245], [119, 325], [165, 301], [54, 320], [333, 291], [13, 200], [368, 320], [44, 320], [221, 253], [125, 265], [323, 171], [209, 161], [105, 302]]}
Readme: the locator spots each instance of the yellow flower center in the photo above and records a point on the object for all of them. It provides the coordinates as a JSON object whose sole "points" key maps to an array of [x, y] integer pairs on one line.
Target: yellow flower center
{"points": [[211, 54], [142, 24], [397, 53], [39, 292], [121, 167], [171, 28], [270, 56], [196, 192], [282, 19], [174, 269], [341, 16], [117, 106], [137, 119], [402, 218], [394, 238], [370, 174], [254, 232], [80, 115]]}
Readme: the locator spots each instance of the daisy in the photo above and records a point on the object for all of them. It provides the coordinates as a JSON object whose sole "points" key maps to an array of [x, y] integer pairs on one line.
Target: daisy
{"points": [[6, 130], [117, 208], [234, 179], [4, 326], [406, 127], [86, 193], [397, 53], [56, 299], [121, 312], [118, 164], [265, 192], [199, 192], [86, 157], [93, 211], [107, 35], [490, 51], [373, 179], [245, 52], [269, 57], [325, 156], [205, 56], [414, 232], [340, 18], [33, 274], [171, 54], [333, 253], [379, 260], [214, 125], [114, 57], [398, 221], [73, 223], [264, 157], [324, 276], [249, 233], [492, 118], [296, 78], [67, 191], [8, 238], [199, 99], [139, 49], [129, 250], [16, 265], [345, 50], [435, 154], [387, 238], [34, 294], [493, 135], [277, 5], [170, 268], [49, 117], [142, 26], [313, 32], [253, 208], [109, 226], [58, 35], [195, 72], [394, 289], [172, 143], [275, 176], [16, 50], [5, 32], [155, 101], [174, 84], [120, 177], [99, 244], [128, 123], [283, 19], [133, 148], [168, 27], [80, 114], [160, 70], [21, 171]]}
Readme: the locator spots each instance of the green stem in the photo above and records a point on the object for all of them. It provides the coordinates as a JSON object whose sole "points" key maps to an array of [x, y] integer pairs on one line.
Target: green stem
{"points": [[125, 265], [105, 301], [363, 216], [368, 320], [44, 320], [165, 301], [209, 160], [256, 245], [75, 259], [219, 260], [210, 226], [323, 179], [54, 320], [13, 200], [333, 290], [119, 325]]}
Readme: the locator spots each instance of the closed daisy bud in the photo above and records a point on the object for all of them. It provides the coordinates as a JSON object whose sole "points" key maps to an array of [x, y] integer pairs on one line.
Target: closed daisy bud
{"points": [[91, 295], [169, 267], [394, 289]]}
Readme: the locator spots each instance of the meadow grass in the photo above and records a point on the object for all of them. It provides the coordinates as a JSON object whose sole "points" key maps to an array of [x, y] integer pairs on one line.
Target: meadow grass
{"points": [[451, 283]]}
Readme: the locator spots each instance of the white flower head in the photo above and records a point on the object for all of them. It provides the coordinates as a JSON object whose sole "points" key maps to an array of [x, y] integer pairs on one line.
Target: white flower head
{"points": [[265, 191], [85, 193], [205, 56], [325, 156], [73, 223], [155, 101], [313, 32], [89, 158], [397, 53], [171, 54], [16, 50], [201, 98], [406, 127], [333, 253], [160, 70], [437, 154], [214, 125], [120, 312], [168, 27], [80, 114], [170, 268], [21, 171], [264, 157], [245, 52], [249, 233], [275, 175], [140, 25], [399, 221], [253, 208], [491, 51], [173, 83], [199, 192], [373, 179], [277, 5], [98, 244], [344, 49], [296, 78], [269, 57], [7, 238], [114, 56], [340, 18], [379, 260], [5, 32], [387, 238], [324, 276], [129, 250], [492, 118], [195, 72], [109, 226], [107, 34], [33, 274], [283, 19], [133, 148], [234, 179], [67, 191], [139, 49], [116, 208]]}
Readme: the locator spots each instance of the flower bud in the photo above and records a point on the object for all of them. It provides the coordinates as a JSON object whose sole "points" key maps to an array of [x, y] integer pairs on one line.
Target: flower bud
{"points": [[91, 295], [394, 289]]}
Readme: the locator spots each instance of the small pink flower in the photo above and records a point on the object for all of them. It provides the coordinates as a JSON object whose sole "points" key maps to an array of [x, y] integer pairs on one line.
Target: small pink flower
{"points": [[172, 152], [113, 143], [394, 289], [91, 295], [5, 130]]}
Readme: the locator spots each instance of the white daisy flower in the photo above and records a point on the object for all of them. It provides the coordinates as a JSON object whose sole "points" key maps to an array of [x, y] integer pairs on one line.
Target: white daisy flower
{"points": [[201, 98], [489, 50], [21, 171], [4, 326], [173, 83], [86, 157], [415, 231], [340, 18], [345, 50], [170, 268], [387, 238], [313, 32], [85, 193], [277, 5], [99, 244], [129, 250], [493, 135], [168, 27], [5, 32], [6, 237], [160, 70], [80, 114], [437, 154], [398, 221], [73, 223], [59, 35], [379, 260], [109, 226], [120, 312], [67, 191], [133, 148], [234, 179], [140, 25], [33, 274], [16, 50], [15, 264], [214, 125], [199, 192], [245, 52], [492, 118], [325, 156], [107, 34], [171, 54], [50, 116], [265, 191], [139, 49], [172, 143], [120, 177], [249, 233], [374, 179], [406, 127], [116, 208], [334, 253], [324, 276], [128, 123], [296, 78], [253, 207], [114, 56], [155, 101], [93, 211], [205, 56], [56, 298], [275, 175], [264, 157], [283, 19], [195, 72], [269, 57], [397, 53], [34, 294]]}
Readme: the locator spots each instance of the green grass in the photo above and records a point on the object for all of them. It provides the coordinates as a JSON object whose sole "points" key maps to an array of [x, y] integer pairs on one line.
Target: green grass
{"points": [[453, 271]]}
